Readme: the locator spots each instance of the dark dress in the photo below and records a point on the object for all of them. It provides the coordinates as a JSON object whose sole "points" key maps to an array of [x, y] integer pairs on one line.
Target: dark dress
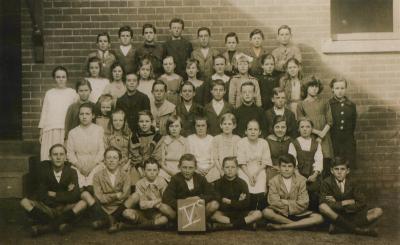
{"points": [[267, 83], [131, 105], [180, 49], [245, 113]]}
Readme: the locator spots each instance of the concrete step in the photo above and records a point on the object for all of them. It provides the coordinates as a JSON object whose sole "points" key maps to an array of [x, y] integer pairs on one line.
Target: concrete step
{"points": [[14, 163], [12, 184]]}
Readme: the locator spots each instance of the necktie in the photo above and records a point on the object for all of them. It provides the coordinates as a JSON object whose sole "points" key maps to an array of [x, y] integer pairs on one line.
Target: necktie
{"points": [[341, 185]]}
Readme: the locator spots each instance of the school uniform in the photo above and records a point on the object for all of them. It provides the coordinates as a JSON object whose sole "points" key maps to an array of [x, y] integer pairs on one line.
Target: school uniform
{"points": [[278, 147], [132, 105], [267, 83], [255, 61], [344, 115], [107, 58], [126, 57], [72, 117], [213, 117], [181, 50], [206, 63], [245, 113], [188, 117], [152, 51], [291, 123], [161, 115], [236, 82], [283, 53], [178, 189]]}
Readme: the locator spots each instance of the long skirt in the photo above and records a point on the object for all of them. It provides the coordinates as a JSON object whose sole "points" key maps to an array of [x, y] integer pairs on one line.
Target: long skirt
{"points": [[50, 138]]}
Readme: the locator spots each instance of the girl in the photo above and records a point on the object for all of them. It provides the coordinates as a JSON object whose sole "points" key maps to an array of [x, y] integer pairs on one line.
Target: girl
{"points": [[268, 80], [254, 156], [255, 51], [106, 106], [225, 144], [170, 148], [55, 105], [292, 84], [98, 83], [172, 80], [319, 112], [308, 154], [192, 69], [278, 144], [117, 86], [231, 53], [146, 78]]}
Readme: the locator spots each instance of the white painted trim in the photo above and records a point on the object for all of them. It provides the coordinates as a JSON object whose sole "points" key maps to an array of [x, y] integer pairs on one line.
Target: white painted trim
{"points": [[361, 46]]}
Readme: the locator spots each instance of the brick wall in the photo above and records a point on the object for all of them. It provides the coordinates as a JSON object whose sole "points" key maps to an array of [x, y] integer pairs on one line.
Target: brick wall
{"points": [[70, 29]]}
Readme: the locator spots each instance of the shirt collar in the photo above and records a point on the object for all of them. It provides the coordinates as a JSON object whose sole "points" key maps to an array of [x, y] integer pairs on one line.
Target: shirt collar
{"points": [[168, 140], [221, 102]]}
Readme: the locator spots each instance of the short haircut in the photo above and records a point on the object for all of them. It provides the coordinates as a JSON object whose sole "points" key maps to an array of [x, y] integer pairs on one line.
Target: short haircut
{"points": [[312, 82], [91, 60], [278, 90], [227, 116], [287, 158], [192, 61], [338, 80], [132, 73], [55, 146], [149, 161], [169, 57], [255, 32], [112, 148], [125, 28], [187, 83], [230, 159], [187, 157], [304, 119], [146, 61], [87, 105], [217, 82], [248, 83], [59, 68], [253, 120], [232, 34], [171, 120], [243, 58], [148, 25], [339, 160], [105, 98], [200, 118], [285, 27], [219, 56], [113, 66], [145, 113], [82, 82], [103, 34], [158, 82], [267, 57], [204, 29], [177, 20], [277, 119]]}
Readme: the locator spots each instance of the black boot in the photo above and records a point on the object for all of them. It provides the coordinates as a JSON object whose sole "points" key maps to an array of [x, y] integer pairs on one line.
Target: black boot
{"points": [[63, 221]]}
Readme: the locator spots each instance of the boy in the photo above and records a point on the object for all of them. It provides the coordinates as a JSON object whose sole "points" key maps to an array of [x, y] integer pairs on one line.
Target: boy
{"points": [[344, 115], [133, 101], [103, 53], [279, 108], [239, 79], [234, 198], [255, 51], [217, 107], [288, 199], [188, 110], [205, 54], [125, 53], [161, 108], [219, 67], [187, 183], [344, 204], [57, 199], [248, 111], [178, 47], [286, 49], [150, 49]]}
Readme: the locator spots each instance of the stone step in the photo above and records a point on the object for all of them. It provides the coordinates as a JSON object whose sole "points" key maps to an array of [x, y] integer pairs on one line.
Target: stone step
{"points": [[9, 147], [14, 163]]}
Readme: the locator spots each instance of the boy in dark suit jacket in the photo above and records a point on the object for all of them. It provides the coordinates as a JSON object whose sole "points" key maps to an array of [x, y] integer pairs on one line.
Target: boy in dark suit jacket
{"points": [[343, 202], [57, 201], [125, 53]]}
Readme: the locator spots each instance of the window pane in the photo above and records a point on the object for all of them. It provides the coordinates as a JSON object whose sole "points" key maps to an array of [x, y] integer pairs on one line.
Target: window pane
{"points": [[357, 16]]}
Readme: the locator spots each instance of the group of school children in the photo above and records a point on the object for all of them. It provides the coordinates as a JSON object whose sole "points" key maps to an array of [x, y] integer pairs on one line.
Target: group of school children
{"points": [[241, 131]]}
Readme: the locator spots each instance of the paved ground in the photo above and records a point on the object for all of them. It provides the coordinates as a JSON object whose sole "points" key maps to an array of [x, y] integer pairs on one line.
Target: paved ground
{"points": [[13, 231]]}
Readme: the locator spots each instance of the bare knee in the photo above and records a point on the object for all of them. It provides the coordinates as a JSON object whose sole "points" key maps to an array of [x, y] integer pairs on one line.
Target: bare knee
{"points": [[162, 220], [376, 213], [324, 208], [212, 206], [256, 214], [26, 204], [87, 197], [268, 213], [318, 219]]}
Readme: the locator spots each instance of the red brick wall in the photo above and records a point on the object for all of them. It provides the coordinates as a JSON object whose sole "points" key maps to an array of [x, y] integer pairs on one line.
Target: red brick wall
{"points": [[70, 29]]}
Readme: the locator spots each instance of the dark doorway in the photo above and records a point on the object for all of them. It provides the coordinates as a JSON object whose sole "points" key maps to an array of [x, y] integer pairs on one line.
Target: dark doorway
{"points": [[10, 70]]}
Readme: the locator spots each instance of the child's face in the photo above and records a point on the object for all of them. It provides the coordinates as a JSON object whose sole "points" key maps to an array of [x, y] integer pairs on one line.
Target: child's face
{"points": [[144, 123], [149, 35], [219, 66], [293, 69], [340, 172], [280, 129], [187, 169], [117, 73], [305, 129], [312, 90], [256, 40], [176, 30], [103, 44], [284, 36], [201, 128], [58, 156], [175, 129], [169, 65], [118, 121], [131, 82], [94, 69], [187, 93], [231, 43], [227, 126], [204, 38], [125, 38], [105, 107], [243, 67], [247, 93], [279, 100], [286, 169], [218, 92], [61, 78], [253, 130], [159, 92], [191, 70], [85, 116], [144, 71], [84, 92], [151, 171], [230, 169], [111, 160], [268, 66], [339, 89]]}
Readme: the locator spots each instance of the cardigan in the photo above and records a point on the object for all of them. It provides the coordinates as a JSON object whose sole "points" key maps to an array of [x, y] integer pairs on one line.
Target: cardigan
{"points": [[188, 117]]}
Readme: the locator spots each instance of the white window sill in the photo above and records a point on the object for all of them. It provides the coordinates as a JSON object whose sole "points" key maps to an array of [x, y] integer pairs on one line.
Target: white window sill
{"points": [[361, 46]]}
